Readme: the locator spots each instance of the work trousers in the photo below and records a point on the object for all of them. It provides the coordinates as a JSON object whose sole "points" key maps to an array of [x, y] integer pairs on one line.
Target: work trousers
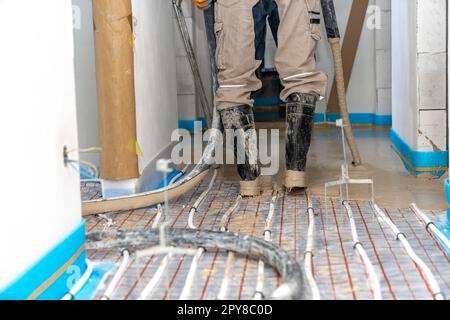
{"points": [[297, 37]]}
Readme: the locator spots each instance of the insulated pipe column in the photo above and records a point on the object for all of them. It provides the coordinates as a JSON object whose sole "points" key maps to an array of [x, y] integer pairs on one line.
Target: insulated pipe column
{"points": [[115, 88], [329, 14]]}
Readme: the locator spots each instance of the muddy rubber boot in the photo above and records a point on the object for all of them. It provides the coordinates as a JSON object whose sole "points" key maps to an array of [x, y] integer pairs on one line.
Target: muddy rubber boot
{"points": [[241, 121], [300, 110]]}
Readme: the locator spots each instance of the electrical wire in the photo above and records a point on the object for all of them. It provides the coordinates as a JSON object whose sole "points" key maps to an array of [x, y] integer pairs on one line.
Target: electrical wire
{"points": [[80, 283], [118, 275], [259, 293], [431, 227], [400, 236], [374, 282], [309, 256]]}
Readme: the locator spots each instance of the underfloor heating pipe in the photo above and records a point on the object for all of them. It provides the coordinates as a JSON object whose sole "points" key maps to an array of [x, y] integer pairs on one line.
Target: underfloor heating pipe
{"points": [[199, 201], [431, 226], [117, 276], [400, 236], [309, 255], [80, 283], [374, 282], [230, 259], [185, 294], [259, 293]]}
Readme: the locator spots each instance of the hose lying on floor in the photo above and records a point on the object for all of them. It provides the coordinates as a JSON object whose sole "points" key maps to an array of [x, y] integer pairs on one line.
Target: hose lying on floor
{"points": [[290, 272], [374, 282], [400, 236], [309, 256]]}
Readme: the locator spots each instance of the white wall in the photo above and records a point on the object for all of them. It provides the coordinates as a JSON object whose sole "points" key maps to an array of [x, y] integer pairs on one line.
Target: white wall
{"points": [[40, 195], [85, 78], [155, 77], [404, 70]]}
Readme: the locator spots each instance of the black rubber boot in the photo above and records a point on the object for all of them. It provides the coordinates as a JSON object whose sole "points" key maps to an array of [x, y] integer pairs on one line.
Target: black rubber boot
{"points": [[241, 120], [300, 110]]}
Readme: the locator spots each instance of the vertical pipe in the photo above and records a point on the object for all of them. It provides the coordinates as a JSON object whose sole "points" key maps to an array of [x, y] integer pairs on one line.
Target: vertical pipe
{"points": [[115, 88], [329, 14]]}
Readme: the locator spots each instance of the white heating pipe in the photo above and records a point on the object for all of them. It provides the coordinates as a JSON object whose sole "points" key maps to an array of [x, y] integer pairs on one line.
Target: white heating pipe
{"points": [[202, 197], [431, 227], [179, 175], [80, 283], [155, 280], [194, 264], [158, 217], [229, 212], [230, 259], [185, 294], [374, 282], [437, 293], [226, 277], [120, 272], [259, 293], [309, 253]]}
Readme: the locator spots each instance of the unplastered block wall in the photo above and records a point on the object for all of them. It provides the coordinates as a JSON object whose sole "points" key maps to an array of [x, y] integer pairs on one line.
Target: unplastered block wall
{"points": [[155, 77], [431, 66], [382, 12], [41, 203], [419, 76]]}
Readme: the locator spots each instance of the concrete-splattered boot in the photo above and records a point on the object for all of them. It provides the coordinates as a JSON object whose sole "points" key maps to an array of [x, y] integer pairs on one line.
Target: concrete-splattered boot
{"points": [[240, 122], [300, 110]]}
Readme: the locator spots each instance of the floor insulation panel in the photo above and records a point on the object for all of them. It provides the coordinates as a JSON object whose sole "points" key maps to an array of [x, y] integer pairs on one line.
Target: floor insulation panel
{"points": [[339, 272]]}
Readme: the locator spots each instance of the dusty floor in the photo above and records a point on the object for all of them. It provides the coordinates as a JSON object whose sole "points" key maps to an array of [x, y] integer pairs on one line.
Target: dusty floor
{"points": [[337, 268]]}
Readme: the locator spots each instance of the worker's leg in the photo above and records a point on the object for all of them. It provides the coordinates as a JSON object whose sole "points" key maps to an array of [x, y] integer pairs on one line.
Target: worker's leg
{"points": [[298, 35], [235, 57]]}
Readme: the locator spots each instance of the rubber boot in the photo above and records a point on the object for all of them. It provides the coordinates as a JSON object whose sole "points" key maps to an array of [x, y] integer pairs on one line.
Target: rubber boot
{"points": [[241, 120], [300, 110]]}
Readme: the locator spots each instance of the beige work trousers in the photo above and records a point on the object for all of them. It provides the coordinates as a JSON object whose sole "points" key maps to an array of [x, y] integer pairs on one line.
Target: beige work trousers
{"points": [[298, 35]]}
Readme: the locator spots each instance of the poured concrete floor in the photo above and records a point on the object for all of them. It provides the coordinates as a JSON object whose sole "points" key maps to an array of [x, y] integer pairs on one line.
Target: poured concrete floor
{"points": [[337, 269]]}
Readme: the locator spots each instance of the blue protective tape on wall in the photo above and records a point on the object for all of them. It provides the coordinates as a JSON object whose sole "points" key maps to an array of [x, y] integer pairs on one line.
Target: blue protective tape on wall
{"points": [[48, 279], [434, 163]]}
